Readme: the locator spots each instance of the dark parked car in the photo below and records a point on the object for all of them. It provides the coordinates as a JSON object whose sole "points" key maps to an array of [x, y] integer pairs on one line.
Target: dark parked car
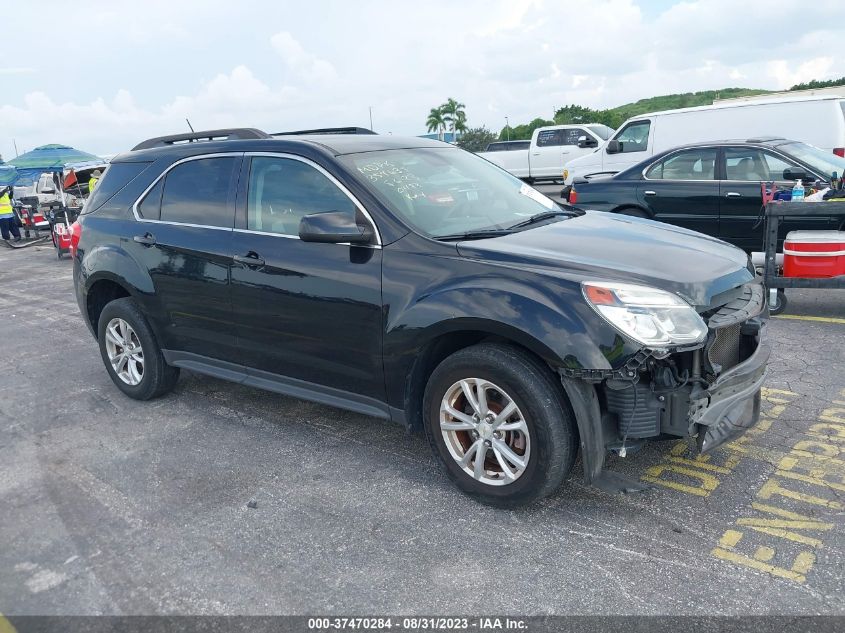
{"points": [[413, 281], [713, 188]]}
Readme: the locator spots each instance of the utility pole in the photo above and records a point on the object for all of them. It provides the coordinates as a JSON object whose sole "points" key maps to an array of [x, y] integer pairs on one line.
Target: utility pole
{"points": [[371, 118], [507, 128]]}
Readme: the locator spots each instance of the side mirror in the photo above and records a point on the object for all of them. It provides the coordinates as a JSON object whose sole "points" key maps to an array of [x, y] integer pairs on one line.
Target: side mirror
{"points": [[613, 147], [334, 227], [795, 173], [587, 141]]}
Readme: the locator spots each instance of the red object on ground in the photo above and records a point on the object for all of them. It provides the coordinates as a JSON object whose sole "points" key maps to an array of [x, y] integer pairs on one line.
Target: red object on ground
{"points": [[817, 254], [73, 238]]}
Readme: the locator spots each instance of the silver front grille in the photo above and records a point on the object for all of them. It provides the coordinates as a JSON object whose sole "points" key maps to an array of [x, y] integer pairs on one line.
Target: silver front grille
{"points": [[725, 348]]}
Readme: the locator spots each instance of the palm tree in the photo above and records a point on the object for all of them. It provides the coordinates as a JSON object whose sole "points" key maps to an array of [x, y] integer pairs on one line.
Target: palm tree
{"points": [[454, 115], [436, 122]]}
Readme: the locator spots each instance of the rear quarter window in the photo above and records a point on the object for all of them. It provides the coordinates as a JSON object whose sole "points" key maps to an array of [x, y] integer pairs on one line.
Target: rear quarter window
{"points": [[115, 178]]}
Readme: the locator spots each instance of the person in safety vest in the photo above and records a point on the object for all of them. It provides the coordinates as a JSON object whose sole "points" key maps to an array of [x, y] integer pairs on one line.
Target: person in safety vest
{"points": [[8, 221], [93, 180]]}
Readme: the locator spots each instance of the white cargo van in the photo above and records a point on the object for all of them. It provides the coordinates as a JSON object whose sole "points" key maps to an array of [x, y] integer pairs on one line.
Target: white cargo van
{"points": [[550, 148], [818, 121]]}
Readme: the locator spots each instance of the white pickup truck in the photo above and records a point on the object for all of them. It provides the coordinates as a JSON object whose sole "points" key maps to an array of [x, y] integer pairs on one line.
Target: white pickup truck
{"points": [[550, 148]]}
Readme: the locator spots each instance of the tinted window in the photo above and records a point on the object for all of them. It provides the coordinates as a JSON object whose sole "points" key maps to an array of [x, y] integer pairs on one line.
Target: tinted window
{"points": [[150, 207], [693, 164], [115, 178], [282, 190], [548, 138], [634, 137], [197, 192]]}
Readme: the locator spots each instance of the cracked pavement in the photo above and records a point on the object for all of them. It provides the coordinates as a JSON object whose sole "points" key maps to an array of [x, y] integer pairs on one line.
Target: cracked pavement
{"points": [[113, 506]]}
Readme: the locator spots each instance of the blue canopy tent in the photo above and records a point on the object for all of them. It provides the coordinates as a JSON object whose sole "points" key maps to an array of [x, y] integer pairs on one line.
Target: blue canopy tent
{"points": [[8, 175], [50, 158]]}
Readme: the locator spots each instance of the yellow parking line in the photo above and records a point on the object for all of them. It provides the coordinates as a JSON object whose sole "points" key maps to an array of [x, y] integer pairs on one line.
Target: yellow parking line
{"points": [[6, 626], [799, 317]]}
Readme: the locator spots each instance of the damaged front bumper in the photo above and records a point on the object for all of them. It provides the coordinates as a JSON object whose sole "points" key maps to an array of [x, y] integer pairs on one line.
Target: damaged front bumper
{"points": [[711, 392], [732, 401]]}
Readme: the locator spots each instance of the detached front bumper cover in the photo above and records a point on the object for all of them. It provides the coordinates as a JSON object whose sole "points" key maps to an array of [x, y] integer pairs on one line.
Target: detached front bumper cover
{"points": [[733, 401]]}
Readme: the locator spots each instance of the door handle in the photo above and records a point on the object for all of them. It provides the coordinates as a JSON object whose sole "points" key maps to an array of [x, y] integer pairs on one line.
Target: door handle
{"points": [[251, 259], [147, 239], [733, 194], [650, 193]]}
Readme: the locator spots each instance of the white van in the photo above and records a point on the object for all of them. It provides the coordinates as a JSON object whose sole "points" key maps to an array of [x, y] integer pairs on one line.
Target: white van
{"points": [[818, 121], [550, 148]]}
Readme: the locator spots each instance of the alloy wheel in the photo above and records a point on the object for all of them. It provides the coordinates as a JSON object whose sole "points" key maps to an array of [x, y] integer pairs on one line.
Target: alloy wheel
{"points": [[485, 432], [124, 351]]}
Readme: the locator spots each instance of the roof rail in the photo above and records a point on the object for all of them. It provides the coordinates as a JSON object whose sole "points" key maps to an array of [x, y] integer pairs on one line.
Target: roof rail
{"points": [[230, 134], [327, 130]]}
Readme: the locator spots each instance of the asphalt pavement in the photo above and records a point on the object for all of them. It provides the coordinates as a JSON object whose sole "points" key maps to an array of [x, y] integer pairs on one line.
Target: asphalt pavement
{"points": [[112, 506]]}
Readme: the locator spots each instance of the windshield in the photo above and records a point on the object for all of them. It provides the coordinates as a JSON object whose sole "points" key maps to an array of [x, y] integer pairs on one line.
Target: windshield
{"points": [[602, 131], [447, 191], [825, 163]]}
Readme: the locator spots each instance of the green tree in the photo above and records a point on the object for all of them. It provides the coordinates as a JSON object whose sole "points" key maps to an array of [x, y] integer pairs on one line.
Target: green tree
{"points": [[454, 115], [477, 139], [815, 83], [436, 122], [524, 131]]}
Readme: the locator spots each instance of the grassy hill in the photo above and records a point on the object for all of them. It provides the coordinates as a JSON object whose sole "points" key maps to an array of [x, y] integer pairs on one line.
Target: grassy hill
{"points": [[614, 117], [671, 102]]}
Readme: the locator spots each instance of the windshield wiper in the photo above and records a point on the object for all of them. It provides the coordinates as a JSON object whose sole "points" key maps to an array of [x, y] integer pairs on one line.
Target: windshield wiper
{"points": [[473, 235], [539, 217]]}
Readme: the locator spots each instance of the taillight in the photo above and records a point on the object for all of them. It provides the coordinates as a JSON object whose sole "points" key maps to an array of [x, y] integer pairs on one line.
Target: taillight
{"points": [[839, 151], [573, 196], [75, 234]]}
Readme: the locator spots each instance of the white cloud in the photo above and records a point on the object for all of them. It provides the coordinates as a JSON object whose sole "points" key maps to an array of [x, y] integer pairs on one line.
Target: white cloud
{"points": [[520, 58], [300, 62], [788, 74]]}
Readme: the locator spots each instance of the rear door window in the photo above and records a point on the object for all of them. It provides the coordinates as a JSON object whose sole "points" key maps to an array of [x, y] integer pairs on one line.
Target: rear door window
{"points": [[201, 192], [693, 164], [549, 138]]}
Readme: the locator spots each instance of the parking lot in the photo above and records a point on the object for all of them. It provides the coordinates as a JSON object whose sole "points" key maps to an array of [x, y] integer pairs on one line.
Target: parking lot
{"points": [[112, 506]]}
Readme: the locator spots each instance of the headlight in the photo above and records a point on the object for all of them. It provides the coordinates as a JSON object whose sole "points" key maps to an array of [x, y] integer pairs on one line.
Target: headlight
{"points": [[653, 317]]}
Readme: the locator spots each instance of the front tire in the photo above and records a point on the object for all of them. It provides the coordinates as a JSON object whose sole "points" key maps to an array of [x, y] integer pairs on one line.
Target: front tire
{"points": [[131, 353], [500, 424]]}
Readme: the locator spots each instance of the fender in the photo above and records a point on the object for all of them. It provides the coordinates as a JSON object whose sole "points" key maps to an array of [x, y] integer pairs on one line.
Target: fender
{"points": [[546, 316]]}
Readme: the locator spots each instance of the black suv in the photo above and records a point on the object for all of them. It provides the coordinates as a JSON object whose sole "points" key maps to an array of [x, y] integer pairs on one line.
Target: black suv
{"points": [[413, 281]]}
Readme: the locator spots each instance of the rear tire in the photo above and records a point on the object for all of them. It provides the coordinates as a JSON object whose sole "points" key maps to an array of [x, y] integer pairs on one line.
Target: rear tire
{"points": [[131, 353], [532, 453]]}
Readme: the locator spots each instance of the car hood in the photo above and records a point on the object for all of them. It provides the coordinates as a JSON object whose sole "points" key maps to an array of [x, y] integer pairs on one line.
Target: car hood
{"points": [[602, 246]]}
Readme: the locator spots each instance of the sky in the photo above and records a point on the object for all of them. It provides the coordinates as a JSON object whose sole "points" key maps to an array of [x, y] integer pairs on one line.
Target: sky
{"points": [[107, 75]]}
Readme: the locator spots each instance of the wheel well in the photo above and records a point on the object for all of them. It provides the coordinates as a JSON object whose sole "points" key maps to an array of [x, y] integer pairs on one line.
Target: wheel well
{"points": [[431, 355], [633, 207], [101, 294]]}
